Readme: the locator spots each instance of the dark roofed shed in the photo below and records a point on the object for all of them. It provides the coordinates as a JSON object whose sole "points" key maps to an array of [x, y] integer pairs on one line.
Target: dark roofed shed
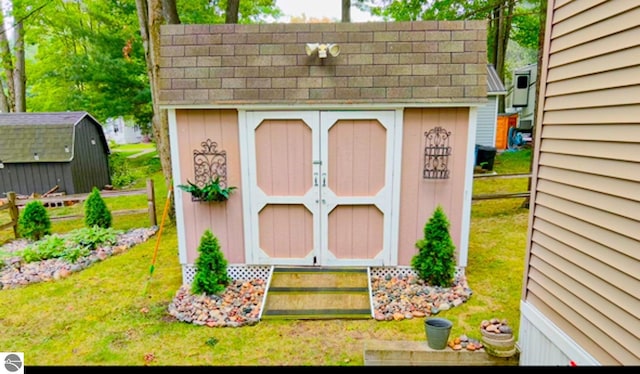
{"points": [[39, 151]]}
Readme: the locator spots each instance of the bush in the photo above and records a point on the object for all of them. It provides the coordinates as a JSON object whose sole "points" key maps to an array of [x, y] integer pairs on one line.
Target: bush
{"points": [[122, 174], [53, 246], [77, 244], [94, 237], [435, 260], [211, 267], [34, 222], [96, 212]]}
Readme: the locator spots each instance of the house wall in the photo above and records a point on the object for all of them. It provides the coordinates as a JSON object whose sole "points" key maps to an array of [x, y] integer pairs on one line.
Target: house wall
{"points": [[418, 196], [122, 132], [582, 265], [90, 162], [223, 219], [487, 118]]}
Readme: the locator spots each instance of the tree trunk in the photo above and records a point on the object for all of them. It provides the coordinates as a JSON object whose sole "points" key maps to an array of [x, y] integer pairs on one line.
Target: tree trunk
{"points": [[170, 12], [504, 15], [4, 104], [7, 101], [19, 74], [231, 13], [150, 19], [346, 11]]}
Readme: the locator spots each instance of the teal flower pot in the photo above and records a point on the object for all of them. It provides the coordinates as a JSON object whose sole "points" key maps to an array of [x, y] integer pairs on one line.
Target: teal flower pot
{"points": [[437, 330]]}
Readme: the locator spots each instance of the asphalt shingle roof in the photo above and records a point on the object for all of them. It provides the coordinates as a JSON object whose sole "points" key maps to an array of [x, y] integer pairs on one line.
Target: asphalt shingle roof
{"points": [[38, 137]]}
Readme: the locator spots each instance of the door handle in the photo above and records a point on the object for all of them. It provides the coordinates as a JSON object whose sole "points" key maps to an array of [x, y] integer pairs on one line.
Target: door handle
{"points": [[315, 179], [324, 179]]}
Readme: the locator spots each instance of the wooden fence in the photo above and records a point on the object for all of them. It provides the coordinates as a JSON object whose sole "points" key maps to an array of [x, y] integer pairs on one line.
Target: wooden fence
{"points": [[14, 205], [13, 214], [501, 195]]}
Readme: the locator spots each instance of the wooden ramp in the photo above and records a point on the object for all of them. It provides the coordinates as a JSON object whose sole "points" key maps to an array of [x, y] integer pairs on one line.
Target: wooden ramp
{"points": [[318, 293]]}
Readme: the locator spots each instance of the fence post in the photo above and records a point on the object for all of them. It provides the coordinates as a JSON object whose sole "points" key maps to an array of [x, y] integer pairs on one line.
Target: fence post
{"points": [[13, 212], [151, 202]]}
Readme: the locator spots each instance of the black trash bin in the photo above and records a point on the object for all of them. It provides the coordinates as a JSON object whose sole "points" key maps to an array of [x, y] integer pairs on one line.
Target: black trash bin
{"points": [[485, 156]]}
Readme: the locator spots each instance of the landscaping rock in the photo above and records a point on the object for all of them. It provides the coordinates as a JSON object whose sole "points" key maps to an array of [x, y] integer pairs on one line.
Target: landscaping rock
{"points": [[22, 274]]}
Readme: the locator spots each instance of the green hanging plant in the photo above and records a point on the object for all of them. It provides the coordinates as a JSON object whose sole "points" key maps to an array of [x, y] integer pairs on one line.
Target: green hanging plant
{"points": [[212, 191]]}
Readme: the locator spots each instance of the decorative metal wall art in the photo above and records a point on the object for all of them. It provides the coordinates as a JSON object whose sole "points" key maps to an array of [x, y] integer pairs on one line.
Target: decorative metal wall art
{"points": [[436, 153], [209, 164]]}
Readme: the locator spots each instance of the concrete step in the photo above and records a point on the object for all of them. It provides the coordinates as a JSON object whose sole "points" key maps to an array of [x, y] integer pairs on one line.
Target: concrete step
{"points": [[318, 293]]}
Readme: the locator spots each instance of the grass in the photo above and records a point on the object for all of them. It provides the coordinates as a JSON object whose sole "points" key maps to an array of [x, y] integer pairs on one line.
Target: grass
{"points": [[115, 311]]}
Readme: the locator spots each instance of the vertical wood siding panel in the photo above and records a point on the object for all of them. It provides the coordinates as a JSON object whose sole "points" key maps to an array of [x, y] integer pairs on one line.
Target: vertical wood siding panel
{"points": [[184, 130], [411, 224], [234, 216], [264, 156], [419, 197]]}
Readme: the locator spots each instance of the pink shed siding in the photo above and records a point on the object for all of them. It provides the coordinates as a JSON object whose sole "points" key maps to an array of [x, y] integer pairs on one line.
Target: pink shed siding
{"points": [[356, 231], [283, 167], [283, 156], [357, 158], [419, 197], [286, 231], [223, 219], [356, 167]]}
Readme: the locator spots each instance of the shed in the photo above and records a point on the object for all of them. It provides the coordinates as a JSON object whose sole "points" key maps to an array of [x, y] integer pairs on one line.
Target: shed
{"points": [[342, 138], [39, 151], [487, 127], [581, 295]]}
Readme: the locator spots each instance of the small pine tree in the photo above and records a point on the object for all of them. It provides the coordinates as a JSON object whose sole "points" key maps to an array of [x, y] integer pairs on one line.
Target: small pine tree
{"points": [[96, 212], [34, 223], [435, 260], [211, 267]]}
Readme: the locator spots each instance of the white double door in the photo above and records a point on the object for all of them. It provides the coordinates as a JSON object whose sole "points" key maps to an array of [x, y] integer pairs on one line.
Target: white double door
{"points": [[319, 187]]}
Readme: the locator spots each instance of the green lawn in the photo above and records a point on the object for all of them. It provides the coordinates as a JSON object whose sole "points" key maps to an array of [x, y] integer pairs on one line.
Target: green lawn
{"points": [[115, 312], [135, 147]]}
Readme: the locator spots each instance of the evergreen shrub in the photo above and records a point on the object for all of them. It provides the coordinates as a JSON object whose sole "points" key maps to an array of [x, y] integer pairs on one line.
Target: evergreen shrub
{"points": [[211, 267], [34, 222], [435, 260], [96, 212]]}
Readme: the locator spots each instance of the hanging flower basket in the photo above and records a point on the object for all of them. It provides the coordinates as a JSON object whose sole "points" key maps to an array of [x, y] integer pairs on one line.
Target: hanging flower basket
{"points": [[212, 191]]}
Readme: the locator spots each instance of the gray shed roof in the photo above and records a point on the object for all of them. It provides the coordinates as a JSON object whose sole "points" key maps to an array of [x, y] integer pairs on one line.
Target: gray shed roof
{"points": [[39, 137], [418, 62], [494, 83]]}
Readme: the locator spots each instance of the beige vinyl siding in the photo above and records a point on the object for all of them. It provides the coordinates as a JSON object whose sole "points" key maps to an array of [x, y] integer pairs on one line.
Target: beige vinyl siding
{"points": [[593, 166], [626, 58], [552, 270], [584, 247], [571, 15]]}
